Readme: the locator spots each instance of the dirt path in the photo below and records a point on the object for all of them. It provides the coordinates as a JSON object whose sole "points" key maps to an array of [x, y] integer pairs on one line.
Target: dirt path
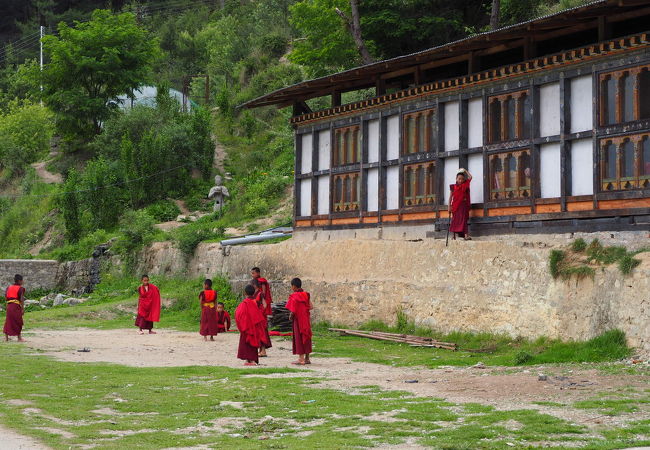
{"points": [[219, 155], [45, 175], [487, 386], [10, 440]]}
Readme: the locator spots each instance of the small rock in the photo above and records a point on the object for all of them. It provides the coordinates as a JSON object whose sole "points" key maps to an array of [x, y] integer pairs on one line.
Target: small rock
{"points": [[478, 365], [542, 378], [72, 301], [410, 381], [59, 299], [32, 302]]}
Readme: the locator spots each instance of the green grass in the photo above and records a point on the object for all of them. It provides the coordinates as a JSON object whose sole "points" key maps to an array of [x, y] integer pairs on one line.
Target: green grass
{"points": [[577, 261], [114, 407]]}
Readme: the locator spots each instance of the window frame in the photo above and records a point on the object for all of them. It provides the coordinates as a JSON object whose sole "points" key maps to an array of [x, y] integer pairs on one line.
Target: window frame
{"points": [[414, 141], [355, 151], [521, 188], [639, 180], [411, 197], [619, 95], [520, 130]]}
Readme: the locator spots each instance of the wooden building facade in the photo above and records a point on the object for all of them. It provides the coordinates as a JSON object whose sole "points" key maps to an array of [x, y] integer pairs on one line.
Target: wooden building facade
{"points": [[552, 118]]}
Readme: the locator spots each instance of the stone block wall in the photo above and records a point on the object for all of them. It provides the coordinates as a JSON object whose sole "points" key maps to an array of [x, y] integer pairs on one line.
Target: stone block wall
{"points": [[501, 286], [38, 273]]}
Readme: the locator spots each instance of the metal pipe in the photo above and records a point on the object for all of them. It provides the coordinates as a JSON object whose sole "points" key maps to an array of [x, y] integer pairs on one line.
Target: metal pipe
{"points": [[254, 238]]}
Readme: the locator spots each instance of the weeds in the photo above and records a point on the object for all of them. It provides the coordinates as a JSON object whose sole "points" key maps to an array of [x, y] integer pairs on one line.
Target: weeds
{"points": [[579, 258]]}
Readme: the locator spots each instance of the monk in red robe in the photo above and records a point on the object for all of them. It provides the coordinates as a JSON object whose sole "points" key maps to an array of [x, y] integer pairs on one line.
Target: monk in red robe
{"points": [[459, 205], [251, 326], [223, 318], [148, 306], [15, 296], [207, 300], [260, 298], [265, 287], [299, 305]]}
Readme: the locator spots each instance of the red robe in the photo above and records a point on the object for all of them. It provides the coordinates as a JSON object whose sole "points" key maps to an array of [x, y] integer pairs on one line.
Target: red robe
{"points": [[252, 334], [209, 325], [299, 304], [14, 319], [259, 299], [223, 321], [148, 307], [460, 205], [266, 290]]}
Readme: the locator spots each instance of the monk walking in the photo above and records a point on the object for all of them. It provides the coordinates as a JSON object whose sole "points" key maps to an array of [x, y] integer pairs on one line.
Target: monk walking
{"points": [[148, 306], [207, 300], [15, 295], [459, 205], [299, 305], [265, 287], [250, 323]]}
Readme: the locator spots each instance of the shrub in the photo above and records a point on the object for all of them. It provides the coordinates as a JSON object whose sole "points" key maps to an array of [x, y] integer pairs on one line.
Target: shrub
{"points": [[188, 237], [522, 357], [555, 261], [579, 245], [627, 263], [137, 230], [163, 210]]}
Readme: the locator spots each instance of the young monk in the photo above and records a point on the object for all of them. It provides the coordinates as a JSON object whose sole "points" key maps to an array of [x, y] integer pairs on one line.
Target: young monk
{"points": [[148, 306], [223, 318], [266, 290], [459, 204], [299, 305], [260, 298], [207, 300], [250, 323], [15, 295]]}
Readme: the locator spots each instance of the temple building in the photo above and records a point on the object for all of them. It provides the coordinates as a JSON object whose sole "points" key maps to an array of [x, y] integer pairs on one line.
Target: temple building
{"points": [[551, 116]]}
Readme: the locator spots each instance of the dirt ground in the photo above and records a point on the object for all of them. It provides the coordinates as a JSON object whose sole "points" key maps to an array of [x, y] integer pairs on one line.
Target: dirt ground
{"points": [[504, 388], [11, 440]]}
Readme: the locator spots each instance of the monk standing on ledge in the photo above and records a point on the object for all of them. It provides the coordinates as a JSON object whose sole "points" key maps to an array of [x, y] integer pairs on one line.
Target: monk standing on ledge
{"points": [[15, 295], [148, 306], [459, 205]]}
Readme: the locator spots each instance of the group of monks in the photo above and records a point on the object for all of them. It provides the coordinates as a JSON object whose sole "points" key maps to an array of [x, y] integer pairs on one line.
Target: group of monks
{"points": [[251, 316]]}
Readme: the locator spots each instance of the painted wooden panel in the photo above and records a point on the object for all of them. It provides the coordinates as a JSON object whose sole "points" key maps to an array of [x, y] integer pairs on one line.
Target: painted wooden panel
{"points": [[582, 172], [581, 104], [392, 187], [549, 175], [475, 167], [373, 141], [475, 123], [451, 169], [452, 117], [305, 157], [549, 109], [305, 197], [324, 194], [373, 190], [392, 137], [324, 150]]}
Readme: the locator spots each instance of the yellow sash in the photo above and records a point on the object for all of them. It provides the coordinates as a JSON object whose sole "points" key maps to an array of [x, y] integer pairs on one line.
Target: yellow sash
{"points": [[17, 302], [209, 305]]}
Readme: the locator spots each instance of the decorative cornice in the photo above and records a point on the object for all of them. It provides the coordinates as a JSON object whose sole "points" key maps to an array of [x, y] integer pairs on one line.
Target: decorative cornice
{"points": [[590, 52]]}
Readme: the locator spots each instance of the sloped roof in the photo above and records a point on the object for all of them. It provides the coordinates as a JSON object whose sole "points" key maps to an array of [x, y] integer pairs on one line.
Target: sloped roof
{"points": [[546, 27]]}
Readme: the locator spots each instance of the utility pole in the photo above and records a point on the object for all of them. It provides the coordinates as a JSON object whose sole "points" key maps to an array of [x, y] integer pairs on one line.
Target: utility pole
{"points": [[41, 42]]}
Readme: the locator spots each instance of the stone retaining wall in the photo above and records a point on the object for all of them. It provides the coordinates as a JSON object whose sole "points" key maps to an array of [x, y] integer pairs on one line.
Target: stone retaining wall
{"points": [[496, 285], [75, 276]]}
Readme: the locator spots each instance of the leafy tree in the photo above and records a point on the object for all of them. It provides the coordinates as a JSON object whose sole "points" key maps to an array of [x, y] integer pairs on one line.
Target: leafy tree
{"points": [[69, 204], [90, 65], [25, 134], [326, 45], [101, 196]]}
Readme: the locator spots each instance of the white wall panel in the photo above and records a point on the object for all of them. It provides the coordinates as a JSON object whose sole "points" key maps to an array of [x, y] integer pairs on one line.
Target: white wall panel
{"points": [[451, 169], [392, 137], [392, 188], [452, 118], [549, 109], [307, 151], [475, 123], [581, 104], [475, 167], [324, 150], [305, 197], [373, 140], [373, 190], [549, 171], [582, 160], [323, 194]]}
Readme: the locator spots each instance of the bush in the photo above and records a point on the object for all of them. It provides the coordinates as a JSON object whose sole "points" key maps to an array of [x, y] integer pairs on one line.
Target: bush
{"points": [[522, 357], [137, 230], [627, 263], [163, 210], [188, 237], [555, 261], [579, 245]]}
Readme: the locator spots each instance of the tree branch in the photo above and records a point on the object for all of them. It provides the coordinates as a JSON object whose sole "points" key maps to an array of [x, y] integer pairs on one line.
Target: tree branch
{"points": [[353, 25]]}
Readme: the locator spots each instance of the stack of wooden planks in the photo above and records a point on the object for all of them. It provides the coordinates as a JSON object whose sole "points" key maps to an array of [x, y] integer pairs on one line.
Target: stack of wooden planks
{"points": [[415, 341]]}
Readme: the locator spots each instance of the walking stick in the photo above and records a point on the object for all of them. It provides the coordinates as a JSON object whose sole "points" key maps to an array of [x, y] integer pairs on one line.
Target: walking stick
{"points": [[448, 227]]}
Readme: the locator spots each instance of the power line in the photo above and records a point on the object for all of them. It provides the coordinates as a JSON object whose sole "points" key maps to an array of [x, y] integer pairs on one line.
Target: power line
{"points": [[105, 186]]}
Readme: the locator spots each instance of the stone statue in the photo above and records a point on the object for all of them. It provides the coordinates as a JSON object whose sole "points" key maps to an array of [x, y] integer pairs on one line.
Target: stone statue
{"points": [[218, 193]]}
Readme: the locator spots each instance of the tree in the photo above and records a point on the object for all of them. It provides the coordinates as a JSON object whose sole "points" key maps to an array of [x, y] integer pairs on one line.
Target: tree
{"points": [[495, 14], [90, 65], [69, 204], [353, 24]]}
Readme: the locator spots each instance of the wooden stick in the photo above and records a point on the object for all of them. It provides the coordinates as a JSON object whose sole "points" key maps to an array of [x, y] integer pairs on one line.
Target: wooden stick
{"points": [[400, 338]]}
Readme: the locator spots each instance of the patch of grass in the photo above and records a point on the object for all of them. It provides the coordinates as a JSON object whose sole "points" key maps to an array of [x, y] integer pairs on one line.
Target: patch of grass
{"points": [[579, 245], [556, 258], [554, 404], [627, 263], [113, 406], [577, 261], [614, 407]]}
